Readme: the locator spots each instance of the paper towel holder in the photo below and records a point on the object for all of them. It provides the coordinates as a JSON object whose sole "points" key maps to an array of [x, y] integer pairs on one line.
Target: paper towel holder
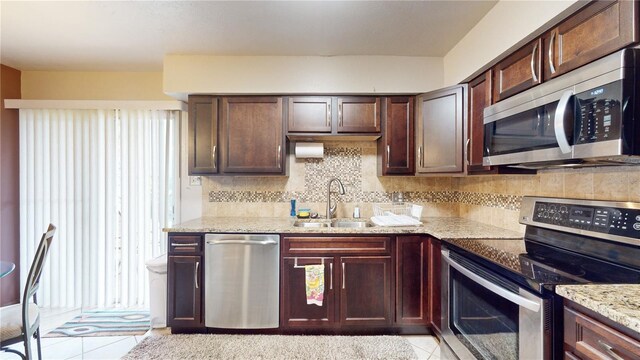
{"points": [[305, 150]]}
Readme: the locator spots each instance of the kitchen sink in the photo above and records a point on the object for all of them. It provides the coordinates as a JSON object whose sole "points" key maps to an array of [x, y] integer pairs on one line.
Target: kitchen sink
{"points": [[334, 223], [350, 224], [310, 224]]}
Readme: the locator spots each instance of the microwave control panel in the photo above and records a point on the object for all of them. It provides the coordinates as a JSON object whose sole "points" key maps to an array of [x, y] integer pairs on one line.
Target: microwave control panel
{"points": [[608, 220], [598, 114]]}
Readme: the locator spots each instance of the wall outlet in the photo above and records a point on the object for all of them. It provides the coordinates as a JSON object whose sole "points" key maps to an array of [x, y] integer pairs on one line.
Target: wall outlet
{"points": [[195, 181], [397, 197]]}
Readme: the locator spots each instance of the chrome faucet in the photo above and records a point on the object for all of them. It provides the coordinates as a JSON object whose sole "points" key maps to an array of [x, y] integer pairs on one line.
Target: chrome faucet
{"points": [[331, 210]]}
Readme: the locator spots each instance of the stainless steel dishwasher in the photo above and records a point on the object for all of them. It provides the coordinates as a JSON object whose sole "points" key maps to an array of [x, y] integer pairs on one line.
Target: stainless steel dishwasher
{"points": [[242, 281]]}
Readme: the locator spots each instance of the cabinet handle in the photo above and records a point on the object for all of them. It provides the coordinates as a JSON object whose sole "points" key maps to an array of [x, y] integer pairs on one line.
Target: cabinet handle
{"points": [[213, 156], [340, 114], [468, 148], [184, 245], [551, 41], [278, 156], [609, 349], [533, 69], [420, 156], [343, 282], [195, 274], [388, 155], [329, 115], [331, 276]]}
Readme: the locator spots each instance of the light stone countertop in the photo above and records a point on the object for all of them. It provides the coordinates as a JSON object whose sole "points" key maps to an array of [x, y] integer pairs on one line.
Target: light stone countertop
{"points": [[442, 228], [620, 303]]}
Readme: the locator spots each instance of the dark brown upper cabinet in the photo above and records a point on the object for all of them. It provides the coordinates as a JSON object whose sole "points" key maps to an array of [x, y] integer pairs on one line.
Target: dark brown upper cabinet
{"points": [[252, 136], [358, 114], [310, 114], [439, 131], [518, 71], [596, 30], [480, 96], [396, 144], [203, 135]]}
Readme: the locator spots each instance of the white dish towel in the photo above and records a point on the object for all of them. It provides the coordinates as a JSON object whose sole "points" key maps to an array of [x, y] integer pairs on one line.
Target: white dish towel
{"points": [[395, 220]]}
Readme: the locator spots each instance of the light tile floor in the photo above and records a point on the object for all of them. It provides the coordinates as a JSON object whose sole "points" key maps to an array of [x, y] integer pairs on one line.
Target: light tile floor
{"points": [[113, 347]]}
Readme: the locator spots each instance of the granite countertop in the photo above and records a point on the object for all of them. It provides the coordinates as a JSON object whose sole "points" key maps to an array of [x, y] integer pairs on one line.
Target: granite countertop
{"points": [[443, 228], [620, 303]]}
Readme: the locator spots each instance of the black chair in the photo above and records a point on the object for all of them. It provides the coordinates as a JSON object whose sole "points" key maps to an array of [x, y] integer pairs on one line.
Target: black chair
{"points": [[20, 322]]}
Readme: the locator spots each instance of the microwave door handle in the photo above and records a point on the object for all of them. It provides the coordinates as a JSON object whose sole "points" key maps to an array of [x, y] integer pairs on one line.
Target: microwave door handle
{"points": [[503, 293], [558, 122]]}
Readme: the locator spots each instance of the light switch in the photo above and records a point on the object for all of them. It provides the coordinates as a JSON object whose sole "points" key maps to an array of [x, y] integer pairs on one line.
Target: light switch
{"points": [[195, 181]]}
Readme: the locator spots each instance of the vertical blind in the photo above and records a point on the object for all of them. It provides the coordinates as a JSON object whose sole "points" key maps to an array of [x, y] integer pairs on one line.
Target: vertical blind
{"points": [[106, 179]]}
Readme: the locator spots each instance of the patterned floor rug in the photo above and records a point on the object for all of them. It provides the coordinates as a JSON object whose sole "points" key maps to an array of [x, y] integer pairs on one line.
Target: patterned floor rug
{"points": [[269, 347], [104, 323]]}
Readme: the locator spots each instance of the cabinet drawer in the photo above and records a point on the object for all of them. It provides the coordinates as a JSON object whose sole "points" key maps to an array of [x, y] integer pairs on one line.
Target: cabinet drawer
{"points": [[185, 244], [592, 339], [337, 245]]}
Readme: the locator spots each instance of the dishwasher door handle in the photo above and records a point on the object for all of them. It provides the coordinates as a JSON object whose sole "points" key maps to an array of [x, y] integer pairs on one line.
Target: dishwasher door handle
{"points": [[242, 242]]}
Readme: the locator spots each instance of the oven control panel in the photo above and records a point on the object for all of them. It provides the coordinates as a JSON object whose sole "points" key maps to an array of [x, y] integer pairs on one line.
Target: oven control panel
{"points": [[602, 219]]}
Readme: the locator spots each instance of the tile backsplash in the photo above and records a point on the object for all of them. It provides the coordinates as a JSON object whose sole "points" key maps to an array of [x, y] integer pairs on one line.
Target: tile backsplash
{"points": [[493, 200]]}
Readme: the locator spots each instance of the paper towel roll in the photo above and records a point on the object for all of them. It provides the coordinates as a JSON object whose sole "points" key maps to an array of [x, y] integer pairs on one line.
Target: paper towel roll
{"points": [[309, 150]]}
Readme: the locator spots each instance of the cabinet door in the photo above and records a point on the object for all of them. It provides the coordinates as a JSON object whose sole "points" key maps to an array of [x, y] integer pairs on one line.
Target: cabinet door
{"points": [[310, 114], [365, 290], [439, 119], [358, 114], [519, 71], [412, 280], [598, 29], [479, 98], [396, 145], [252, 135], [184, 303], [435, 281], [295, 312], [203, 135]]}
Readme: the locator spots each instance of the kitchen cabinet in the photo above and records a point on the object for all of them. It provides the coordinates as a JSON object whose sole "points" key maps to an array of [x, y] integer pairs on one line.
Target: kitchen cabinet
{"points": [[600, 28], [480, 96], [357, 282], [309, 114], [184, 284], [439, 131], [412, 279], [435, 281], [252, 136], [358, 114], [203, 135], [396, 144], [590, 336], [365, 290], [518, 71]]}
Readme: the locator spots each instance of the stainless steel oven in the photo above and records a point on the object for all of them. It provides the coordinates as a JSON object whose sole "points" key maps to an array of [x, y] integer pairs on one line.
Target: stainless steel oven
{"points": [[486, 316]]}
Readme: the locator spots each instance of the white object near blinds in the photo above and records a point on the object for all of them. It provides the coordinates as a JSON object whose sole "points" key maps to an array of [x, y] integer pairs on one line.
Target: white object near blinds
{"points": [[106, 179]]}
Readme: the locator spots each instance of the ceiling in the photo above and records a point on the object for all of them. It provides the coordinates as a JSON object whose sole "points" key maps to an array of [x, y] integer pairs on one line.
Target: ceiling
{"points": [[135, 35]]}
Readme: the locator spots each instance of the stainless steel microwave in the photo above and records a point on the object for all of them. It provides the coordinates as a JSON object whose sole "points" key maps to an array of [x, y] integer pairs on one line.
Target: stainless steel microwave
{"points": [[587, 117]]}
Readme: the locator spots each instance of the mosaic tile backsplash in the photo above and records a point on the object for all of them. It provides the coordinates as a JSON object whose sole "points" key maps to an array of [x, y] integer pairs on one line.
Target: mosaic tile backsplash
{"points": [[494, 200]]}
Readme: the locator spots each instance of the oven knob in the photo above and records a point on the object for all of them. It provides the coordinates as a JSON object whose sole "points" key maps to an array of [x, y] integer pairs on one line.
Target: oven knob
{"points": [[636, 226], [637, 217]]}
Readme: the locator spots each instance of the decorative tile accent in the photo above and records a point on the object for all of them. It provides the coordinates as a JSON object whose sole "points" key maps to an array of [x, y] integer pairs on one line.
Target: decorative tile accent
{"points": [[345, 163]]}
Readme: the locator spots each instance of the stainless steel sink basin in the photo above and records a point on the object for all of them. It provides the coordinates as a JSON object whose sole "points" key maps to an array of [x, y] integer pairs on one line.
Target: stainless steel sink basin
{"points": [[350, 224], [309, 224]]}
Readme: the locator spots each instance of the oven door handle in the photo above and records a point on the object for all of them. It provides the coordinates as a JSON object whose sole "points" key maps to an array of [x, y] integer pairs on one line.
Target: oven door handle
{"points": [[500, 291]]}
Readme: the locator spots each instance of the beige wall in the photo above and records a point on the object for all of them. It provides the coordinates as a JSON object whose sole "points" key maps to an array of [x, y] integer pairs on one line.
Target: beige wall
{"points": [[506, 24], [80, 85], [184, 74]]}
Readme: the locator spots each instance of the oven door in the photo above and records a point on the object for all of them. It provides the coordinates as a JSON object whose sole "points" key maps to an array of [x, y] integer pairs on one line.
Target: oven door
{"points": [[486, 316]]}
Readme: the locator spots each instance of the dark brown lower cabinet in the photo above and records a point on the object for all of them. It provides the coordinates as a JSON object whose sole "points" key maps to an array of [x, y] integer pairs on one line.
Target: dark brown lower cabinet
{"points": [[435, 281], [412, 302], [184, 305], [365, 290], [295, 312]]}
